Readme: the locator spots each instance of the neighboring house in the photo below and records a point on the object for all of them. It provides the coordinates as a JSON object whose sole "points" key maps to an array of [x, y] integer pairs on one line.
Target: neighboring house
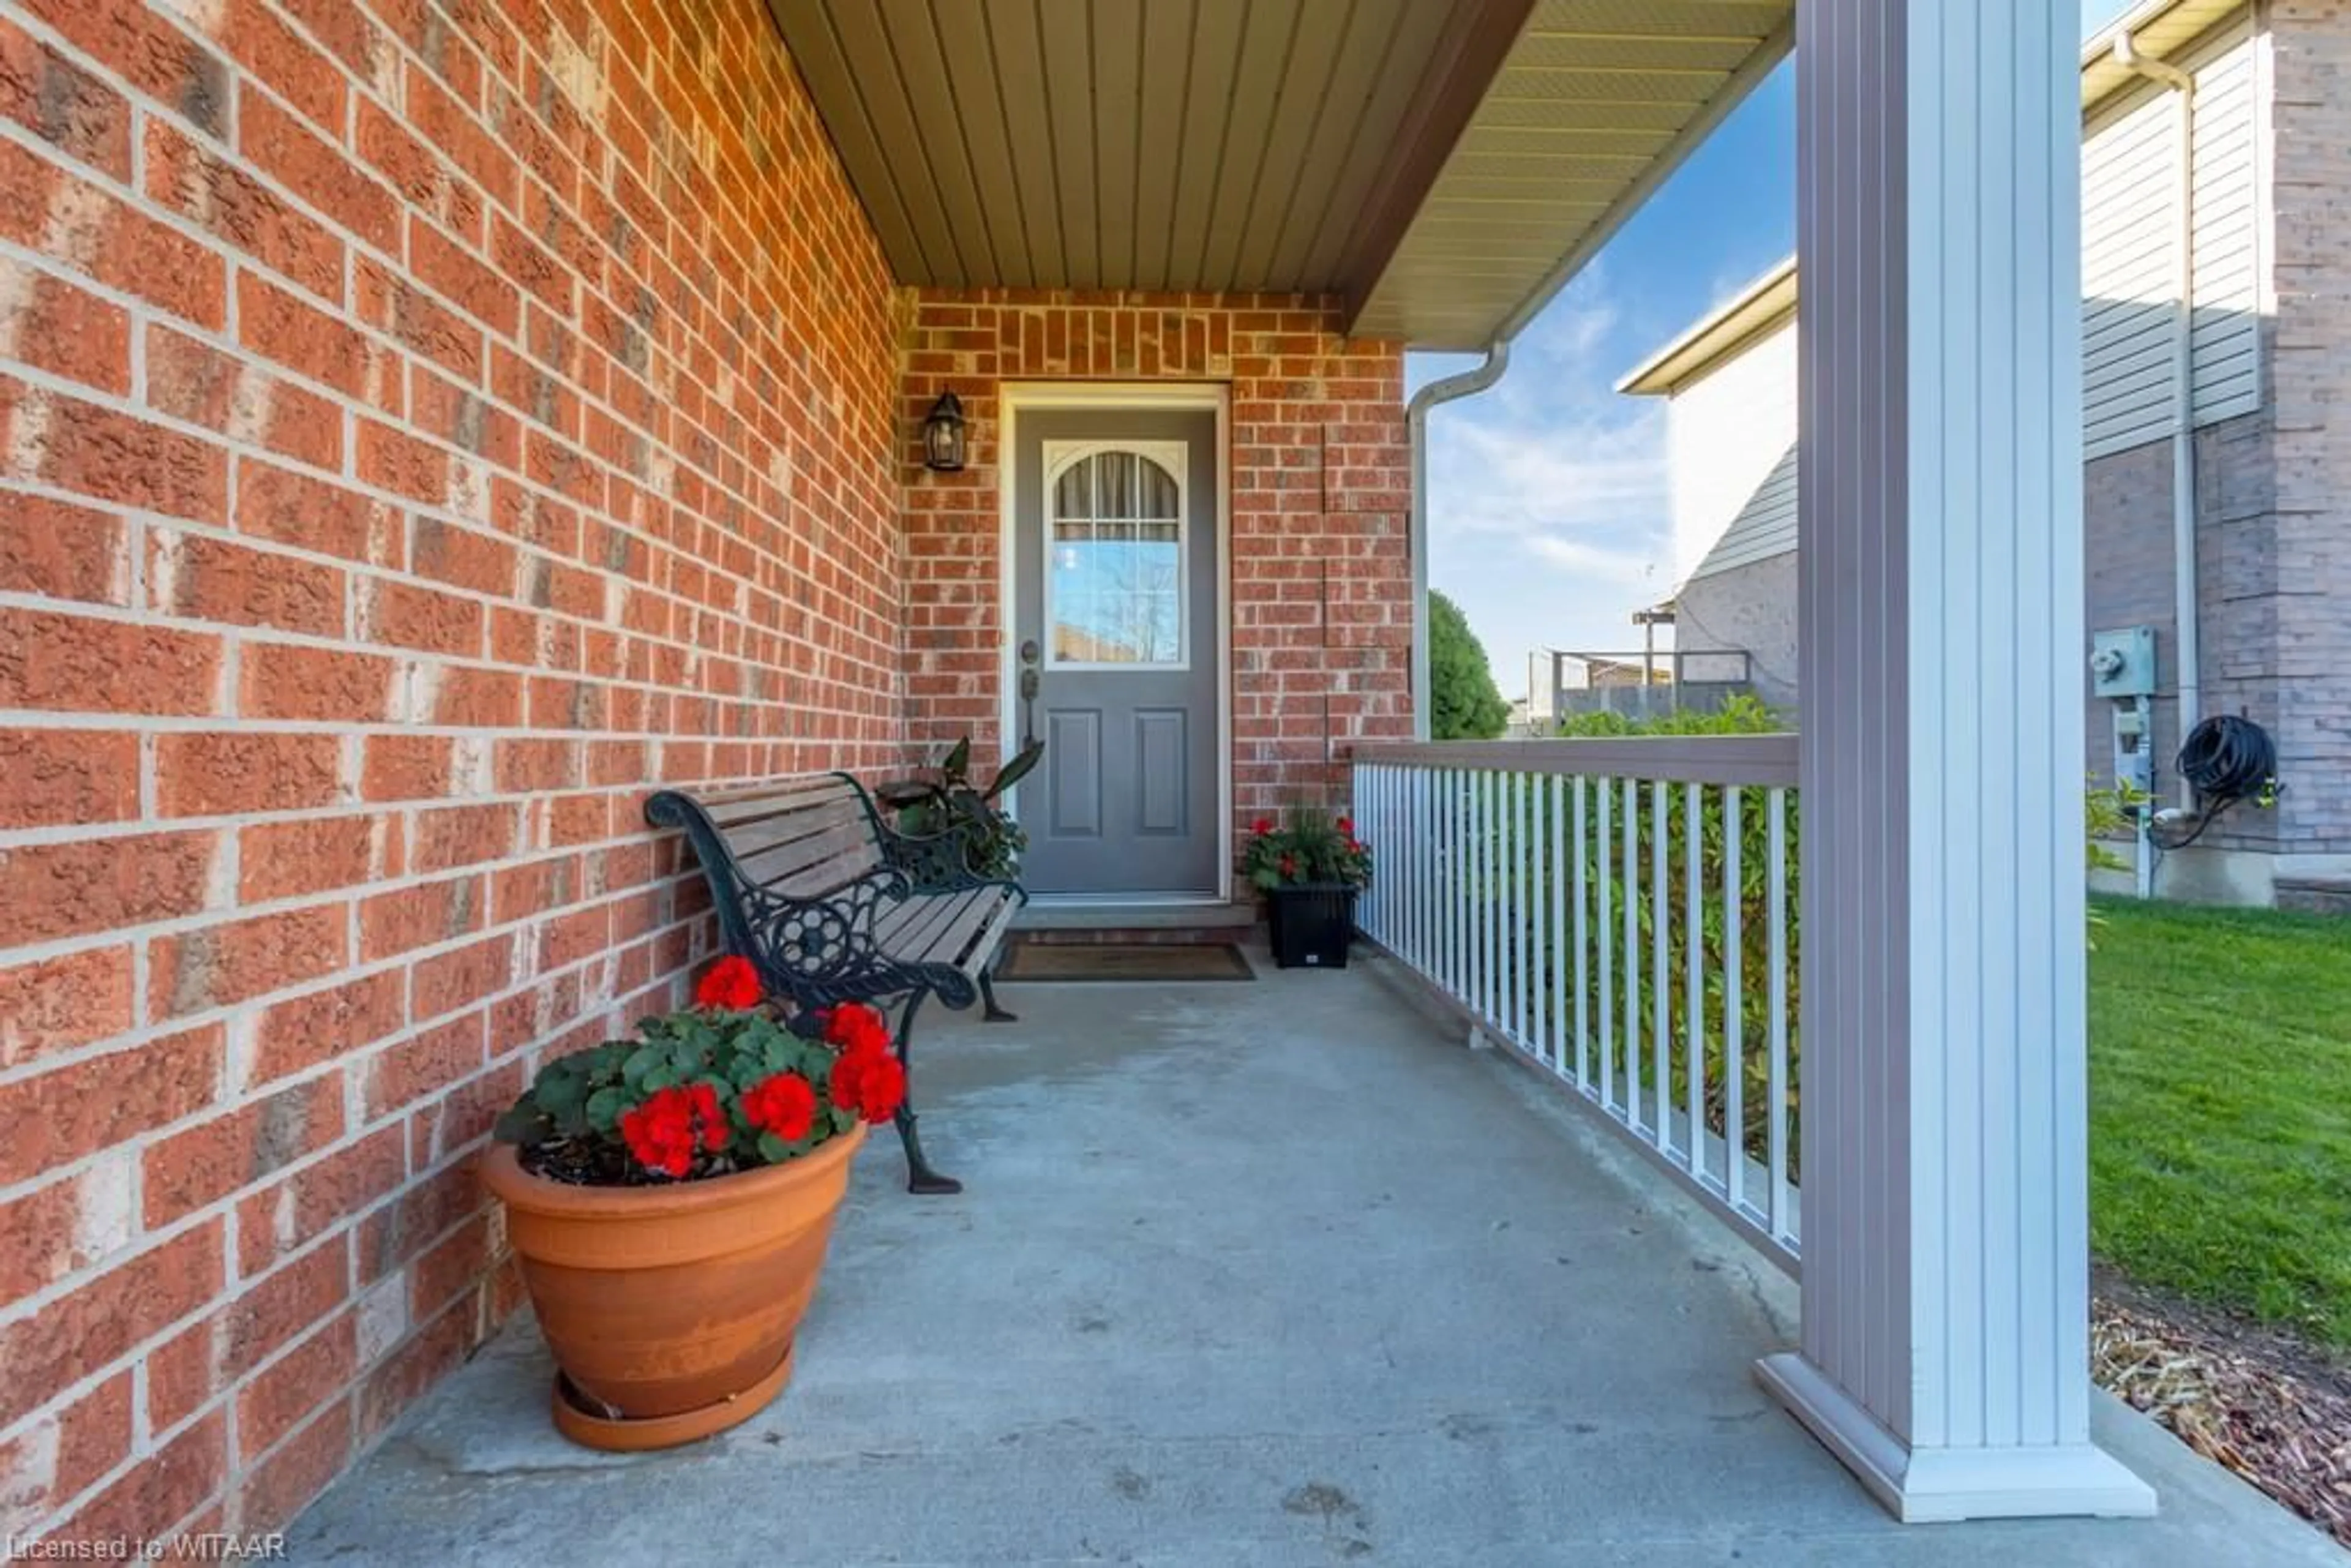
{"points": [[1731, 433], [2271, 363]]}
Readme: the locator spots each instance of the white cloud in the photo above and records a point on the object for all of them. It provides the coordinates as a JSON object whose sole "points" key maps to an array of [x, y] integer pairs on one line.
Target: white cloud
{"points": [[1549, 518]]}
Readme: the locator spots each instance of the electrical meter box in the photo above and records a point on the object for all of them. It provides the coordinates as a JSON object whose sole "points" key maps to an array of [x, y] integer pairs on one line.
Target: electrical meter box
{"points": [[2134, 748], [2122, 662]]}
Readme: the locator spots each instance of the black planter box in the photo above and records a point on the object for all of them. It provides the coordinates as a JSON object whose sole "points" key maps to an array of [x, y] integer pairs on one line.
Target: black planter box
{"points": [[1311, 925]]}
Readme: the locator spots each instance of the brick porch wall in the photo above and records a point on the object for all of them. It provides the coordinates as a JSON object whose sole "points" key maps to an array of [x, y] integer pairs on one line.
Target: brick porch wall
{"points": [[1320, 569], [423, 424]]}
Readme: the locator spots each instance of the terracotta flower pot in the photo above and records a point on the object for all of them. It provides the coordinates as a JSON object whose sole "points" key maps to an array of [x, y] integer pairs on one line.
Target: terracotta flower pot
{"points": [[670, 1309]]}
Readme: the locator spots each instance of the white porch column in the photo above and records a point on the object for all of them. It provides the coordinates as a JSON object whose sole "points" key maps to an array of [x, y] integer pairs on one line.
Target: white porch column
{"points": [[1945, 1173]]}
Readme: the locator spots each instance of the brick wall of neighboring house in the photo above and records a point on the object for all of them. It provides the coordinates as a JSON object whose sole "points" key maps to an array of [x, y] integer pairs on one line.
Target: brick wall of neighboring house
{"points": [[1751, 610], [1319, 573], [2130, 576], [422, 426], [2306, 571]]}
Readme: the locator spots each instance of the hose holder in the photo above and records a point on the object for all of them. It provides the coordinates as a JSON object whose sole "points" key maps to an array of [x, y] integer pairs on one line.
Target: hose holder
{"points": [[2226, 760]]}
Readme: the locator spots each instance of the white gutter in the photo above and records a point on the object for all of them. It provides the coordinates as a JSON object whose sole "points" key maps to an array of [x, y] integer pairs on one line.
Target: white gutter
{"points": [[1465, 385], [2189, 659]]}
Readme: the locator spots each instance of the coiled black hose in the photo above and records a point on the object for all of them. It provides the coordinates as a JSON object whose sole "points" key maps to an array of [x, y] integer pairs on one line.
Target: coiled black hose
{"points": [[2225, 760]]}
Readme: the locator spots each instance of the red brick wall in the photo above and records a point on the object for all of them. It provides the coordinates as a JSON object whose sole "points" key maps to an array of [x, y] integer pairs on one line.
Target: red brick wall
{"points": [[1320, 569], [423, 423]]}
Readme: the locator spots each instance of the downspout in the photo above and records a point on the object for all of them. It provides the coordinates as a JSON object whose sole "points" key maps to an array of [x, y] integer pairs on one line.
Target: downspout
{"points": [[2189, 657], [1468, 383]]}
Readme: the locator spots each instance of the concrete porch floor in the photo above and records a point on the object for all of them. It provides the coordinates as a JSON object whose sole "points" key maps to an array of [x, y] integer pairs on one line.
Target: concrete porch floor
{"points": [[1244, 1274]]}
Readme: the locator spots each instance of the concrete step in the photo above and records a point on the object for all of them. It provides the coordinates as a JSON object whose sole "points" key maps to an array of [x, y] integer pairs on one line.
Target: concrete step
{"points": [[1046, 923]]}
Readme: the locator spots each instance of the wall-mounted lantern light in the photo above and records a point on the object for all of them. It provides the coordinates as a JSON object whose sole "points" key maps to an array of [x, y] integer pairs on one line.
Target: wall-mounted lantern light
{"points": [[943, 435]]}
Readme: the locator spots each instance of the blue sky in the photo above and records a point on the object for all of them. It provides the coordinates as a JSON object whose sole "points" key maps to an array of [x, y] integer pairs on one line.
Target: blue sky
{"points": [[1548, 510]]}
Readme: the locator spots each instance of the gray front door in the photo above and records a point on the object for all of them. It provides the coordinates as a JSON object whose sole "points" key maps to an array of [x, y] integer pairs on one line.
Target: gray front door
{"points": [[1115, 612]]}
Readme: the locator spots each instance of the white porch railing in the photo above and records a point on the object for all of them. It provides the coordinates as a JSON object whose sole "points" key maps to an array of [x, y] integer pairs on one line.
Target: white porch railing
{"points": [[1622, 914]]}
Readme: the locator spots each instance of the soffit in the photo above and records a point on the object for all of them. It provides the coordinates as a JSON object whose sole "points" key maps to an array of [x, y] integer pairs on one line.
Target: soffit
{"points": [[1132, 144], [1596, 102], [1439, 164]]}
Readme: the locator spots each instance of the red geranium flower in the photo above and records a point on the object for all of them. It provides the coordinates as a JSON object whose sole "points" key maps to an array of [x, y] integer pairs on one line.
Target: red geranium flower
{"points": [[784, 1104], [661, 1132], [868, 1080], [853, 1025], [1289, 865], [710, 1117], [1261, 826], [1346, 825], [732, 985]]}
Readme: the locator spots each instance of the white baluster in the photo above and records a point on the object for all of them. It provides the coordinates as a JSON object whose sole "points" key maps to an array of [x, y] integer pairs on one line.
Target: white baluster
{"points": [[1775, 807], [1693, 980], [1545, 941], [1734, 1002], [1660, 962], [1580, 966], [1605, 847]]}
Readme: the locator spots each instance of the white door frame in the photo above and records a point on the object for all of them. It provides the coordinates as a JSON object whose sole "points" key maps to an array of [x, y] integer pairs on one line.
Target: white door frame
{"points": [[1012, 399]]}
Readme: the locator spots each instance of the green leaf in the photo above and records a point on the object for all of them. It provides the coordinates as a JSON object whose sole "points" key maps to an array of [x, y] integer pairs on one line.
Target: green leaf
{"points": [[522, 1123], [773, 1149], [1017, 768], [659, 1079], [604, 1108], [639, 1063], [558, 1090], [843, 1118], [959, 760]]}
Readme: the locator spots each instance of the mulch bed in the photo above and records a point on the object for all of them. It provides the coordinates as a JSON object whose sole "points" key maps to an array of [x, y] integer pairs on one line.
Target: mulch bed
{"points": [[2274, 1409]]}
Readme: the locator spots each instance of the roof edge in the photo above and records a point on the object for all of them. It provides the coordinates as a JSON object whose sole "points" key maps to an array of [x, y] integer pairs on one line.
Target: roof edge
{"points": [[1773, 48], [1471, 59], [1763, 306], [2163, 29], [1776, 47]]}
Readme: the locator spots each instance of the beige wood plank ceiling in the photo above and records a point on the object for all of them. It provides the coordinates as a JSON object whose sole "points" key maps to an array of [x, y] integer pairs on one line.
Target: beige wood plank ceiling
{"points": [[1432, 160]]}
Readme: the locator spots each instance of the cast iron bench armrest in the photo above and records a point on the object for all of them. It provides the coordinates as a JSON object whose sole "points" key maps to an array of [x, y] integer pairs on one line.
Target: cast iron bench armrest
{"points": [[830, 905]]}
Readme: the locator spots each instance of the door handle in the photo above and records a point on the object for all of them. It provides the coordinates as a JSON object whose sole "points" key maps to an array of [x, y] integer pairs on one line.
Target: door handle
{"points": [[1030, 680]]}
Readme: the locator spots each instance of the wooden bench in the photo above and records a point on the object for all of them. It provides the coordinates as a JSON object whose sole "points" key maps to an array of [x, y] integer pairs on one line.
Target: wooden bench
{"points": [[833, 905]]}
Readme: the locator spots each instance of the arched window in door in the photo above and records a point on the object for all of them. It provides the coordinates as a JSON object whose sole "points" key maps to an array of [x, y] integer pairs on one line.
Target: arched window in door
{"points": [[1114, 556]]}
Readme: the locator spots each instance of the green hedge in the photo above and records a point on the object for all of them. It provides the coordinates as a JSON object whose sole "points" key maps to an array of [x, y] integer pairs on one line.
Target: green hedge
{"points": [[1521, 897]]}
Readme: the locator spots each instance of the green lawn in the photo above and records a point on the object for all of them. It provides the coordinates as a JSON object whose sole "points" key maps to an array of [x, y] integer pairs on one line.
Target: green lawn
{"points": [[2221, 1109]]}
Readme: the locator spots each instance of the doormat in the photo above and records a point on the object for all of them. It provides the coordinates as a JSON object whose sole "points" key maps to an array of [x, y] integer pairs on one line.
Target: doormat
{"points": [[1163, 961]]}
